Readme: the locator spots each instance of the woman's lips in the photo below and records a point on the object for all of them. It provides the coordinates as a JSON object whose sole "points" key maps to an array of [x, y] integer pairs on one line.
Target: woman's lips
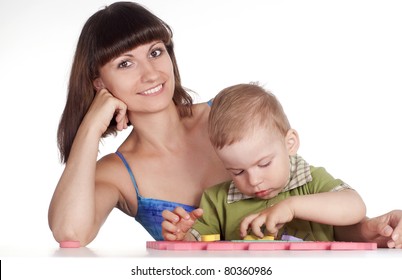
{"points": [[152, 91]]}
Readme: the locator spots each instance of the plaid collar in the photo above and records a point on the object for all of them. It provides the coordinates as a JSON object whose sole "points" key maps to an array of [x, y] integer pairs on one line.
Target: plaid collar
{"points": [[299, 175]]}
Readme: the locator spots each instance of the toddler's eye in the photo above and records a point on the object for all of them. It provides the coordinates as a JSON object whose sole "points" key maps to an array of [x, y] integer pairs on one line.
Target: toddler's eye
{"points": [[237, 173], [265, 164]]}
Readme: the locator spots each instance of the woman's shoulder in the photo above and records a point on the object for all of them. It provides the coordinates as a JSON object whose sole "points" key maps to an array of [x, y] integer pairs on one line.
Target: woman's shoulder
{"points": [[108, 169], [200, 113], [201, 108], [112, 179], [109, 159]]}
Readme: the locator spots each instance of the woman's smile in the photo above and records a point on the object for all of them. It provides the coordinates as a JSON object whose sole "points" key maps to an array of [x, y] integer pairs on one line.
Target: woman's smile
{"points": [[152, 91]]}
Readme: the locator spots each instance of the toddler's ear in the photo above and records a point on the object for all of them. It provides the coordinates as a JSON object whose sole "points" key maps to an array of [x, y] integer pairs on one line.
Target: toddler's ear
{"points": [[98, 84], [292, 142]]}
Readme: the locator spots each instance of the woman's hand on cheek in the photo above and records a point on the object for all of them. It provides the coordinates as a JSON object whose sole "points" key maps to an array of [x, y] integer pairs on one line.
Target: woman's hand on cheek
{"points": [[121, 118], [102, 110]]}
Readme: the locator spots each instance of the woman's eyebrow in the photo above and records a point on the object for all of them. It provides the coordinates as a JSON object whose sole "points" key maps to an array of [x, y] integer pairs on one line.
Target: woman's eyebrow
{"points": [[123, 55], [155, 43], [128, 54]]}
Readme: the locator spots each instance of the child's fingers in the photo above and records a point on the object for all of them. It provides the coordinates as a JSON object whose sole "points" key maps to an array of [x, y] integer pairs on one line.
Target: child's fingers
{"points": [[245, 224], [272, 228], [256, 227]]}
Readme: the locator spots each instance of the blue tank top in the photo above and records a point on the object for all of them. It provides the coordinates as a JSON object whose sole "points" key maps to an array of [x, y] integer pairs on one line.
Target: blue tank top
{"points": [[149, 212]]}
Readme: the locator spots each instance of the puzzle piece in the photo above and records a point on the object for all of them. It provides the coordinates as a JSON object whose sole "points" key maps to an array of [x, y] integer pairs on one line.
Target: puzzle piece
{"points": [[290, 238], [211, 237], [256, 238], [258, 245]]}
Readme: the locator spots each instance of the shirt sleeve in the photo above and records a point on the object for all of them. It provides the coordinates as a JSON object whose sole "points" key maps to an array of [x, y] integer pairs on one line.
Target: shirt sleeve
{"points": [[325, 182], [209, 222], [341, 187]]}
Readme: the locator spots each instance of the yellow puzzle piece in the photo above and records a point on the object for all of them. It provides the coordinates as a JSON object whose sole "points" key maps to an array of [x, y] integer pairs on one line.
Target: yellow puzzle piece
{"points": [[253, 237], [210, 237]]}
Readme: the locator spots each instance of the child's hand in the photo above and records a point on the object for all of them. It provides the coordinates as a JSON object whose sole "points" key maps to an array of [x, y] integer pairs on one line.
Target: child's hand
{"points": [[273, 218], [178, 222]]}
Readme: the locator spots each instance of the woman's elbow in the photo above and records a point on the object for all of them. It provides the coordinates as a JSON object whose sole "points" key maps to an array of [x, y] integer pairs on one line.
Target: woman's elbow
{"points": [[65, 233]]}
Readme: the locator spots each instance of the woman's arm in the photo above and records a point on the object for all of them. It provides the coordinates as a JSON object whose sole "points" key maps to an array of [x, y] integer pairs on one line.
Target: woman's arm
{"points": [[78, 207], [81, 202], [385, 230]]}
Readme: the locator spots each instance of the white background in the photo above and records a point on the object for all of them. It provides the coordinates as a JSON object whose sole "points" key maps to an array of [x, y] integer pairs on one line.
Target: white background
{"points": [[336, 66]]}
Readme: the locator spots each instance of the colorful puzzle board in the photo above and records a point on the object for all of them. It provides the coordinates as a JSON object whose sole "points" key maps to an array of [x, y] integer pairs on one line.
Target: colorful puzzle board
{"points": [[257, 245]]}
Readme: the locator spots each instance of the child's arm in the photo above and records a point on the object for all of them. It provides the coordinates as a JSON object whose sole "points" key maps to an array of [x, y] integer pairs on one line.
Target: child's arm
{"points": [[177, 224], [339, 208]]}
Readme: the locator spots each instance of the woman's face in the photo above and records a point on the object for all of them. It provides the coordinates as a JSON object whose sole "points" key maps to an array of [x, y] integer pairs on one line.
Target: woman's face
{"points": [[143, 78]]}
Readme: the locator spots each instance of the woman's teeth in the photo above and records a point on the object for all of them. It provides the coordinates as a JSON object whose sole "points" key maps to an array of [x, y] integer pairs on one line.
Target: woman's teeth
{"points": [[152, 90]]}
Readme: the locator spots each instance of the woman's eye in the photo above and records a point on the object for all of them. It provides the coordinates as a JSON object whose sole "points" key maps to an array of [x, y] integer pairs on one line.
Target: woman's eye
{"points": [[124, 64], [156, 52]]}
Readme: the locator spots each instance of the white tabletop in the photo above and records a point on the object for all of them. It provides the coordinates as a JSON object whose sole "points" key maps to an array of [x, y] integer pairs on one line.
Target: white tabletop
{"points": [[143, 252], [121, 263]]}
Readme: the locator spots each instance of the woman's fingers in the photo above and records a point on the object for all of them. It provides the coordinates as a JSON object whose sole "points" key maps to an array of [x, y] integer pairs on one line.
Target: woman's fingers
{"points": [[170, 216]]}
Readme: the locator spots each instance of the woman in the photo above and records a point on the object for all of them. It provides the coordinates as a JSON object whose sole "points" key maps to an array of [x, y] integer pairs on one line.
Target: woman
{"points": [[125, 73]]}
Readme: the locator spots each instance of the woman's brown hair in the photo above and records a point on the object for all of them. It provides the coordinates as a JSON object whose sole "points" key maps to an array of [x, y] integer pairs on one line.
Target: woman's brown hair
{"points": [[107, 34]]}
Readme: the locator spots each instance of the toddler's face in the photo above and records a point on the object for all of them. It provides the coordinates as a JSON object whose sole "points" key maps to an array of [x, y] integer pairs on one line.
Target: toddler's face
{"points": [[259, 164]]}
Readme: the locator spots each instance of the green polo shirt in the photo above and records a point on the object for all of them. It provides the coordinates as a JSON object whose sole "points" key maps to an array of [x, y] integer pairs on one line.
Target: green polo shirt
{"points": [[223, 215]]}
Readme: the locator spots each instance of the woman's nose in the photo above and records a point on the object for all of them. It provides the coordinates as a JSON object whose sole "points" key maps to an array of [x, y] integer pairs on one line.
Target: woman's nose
{"points": [[148, 72]]}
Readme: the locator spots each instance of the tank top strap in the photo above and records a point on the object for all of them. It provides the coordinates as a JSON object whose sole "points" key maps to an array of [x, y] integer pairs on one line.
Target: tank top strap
{"points": [[129, 172], [210, 102]]}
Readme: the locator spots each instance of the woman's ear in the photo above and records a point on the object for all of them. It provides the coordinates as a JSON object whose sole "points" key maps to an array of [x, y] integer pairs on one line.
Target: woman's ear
{"points": [[292, 142], [98, 84]]}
